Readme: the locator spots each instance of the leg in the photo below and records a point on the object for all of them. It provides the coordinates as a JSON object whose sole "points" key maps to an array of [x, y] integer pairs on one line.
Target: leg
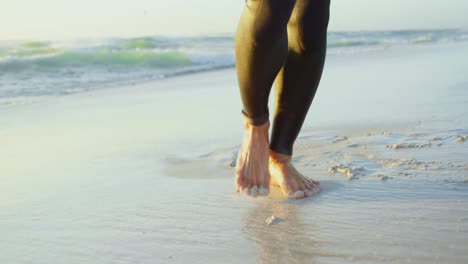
{"points": [[296, 85], [261, 49], [298, 80]]}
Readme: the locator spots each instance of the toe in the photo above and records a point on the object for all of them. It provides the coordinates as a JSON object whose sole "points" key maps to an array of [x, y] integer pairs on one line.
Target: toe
{"points": [[297, 194], [250, 190], [312, 182], [316, 189], [265, 181], [308, 193], [300, 185], [254, 180], [254, 191], [263, 190], [239, 180], [241, 184], [309, 185]]}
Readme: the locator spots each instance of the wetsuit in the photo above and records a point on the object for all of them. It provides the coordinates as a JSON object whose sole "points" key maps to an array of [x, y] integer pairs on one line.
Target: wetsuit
{"points": [[281, 41]]}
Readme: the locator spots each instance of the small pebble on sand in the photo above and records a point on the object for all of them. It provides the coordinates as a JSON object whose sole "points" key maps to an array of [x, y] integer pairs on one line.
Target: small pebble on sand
{"points": [[383, 177], [272, 220], [350, 172]]}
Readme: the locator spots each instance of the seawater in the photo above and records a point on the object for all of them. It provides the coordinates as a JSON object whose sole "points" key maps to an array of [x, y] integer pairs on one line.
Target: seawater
{"points": [[33, 69]]}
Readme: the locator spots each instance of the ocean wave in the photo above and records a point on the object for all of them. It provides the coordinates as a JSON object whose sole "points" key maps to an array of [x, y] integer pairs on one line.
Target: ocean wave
{"points": [[421, 39], [156, 50], [352, 43], [29, 50], [37, 68], [141, 43], [388, 38], [98, 59]]}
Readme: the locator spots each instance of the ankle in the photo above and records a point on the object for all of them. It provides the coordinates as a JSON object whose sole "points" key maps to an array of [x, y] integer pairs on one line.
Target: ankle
{"points": [[279, 158], [264, 126], [259, 132]]}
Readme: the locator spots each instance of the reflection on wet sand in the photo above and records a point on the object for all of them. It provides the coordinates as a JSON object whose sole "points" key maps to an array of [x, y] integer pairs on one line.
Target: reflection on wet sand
{"points": [[287, 240], [362, 222]]}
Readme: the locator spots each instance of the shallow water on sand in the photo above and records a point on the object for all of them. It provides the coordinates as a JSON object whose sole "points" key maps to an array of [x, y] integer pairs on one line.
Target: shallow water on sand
{"points": [[148, 219], [387, 201], [144, 174]]}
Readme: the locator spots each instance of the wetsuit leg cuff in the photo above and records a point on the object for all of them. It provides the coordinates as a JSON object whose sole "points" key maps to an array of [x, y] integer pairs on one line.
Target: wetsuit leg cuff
{"points": [[256, 121], [281, 150]]}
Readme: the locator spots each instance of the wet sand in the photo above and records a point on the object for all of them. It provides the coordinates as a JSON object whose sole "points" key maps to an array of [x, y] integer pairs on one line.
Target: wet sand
{"points": [[143, 174]]}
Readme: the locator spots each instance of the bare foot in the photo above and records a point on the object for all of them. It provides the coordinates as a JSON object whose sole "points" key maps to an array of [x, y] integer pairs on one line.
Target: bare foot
{"points": [[252, 176], [292, 183]]}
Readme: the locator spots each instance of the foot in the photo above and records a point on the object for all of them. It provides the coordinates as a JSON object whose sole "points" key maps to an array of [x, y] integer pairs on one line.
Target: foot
{"points": [[292, 183], [252, 176]]}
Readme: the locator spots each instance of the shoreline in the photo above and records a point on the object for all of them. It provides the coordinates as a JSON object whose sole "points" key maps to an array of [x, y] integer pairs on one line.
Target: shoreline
{"points": [[338, 57]]}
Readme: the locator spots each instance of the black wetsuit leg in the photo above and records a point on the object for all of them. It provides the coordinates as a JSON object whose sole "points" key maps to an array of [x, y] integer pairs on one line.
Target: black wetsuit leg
{"points": [[268, 47], [261, 49], [299, 78]]}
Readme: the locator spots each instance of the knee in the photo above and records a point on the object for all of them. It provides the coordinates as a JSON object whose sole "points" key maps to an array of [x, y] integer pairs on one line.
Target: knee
{"points": [[280, 10], [313, 25], [271, 19]]}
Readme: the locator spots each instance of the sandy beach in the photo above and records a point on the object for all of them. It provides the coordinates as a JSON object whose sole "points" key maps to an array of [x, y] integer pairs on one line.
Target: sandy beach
{"points": [[144, 173]]}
